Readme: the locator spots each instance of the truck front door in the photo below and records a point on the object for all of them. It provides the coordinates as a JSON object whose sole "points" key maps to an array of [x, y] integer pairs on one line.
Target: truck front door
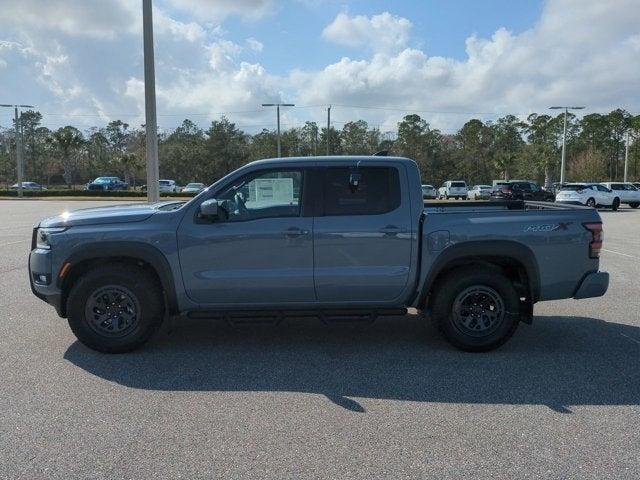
{"points": [[362, 234], [258, 250]]}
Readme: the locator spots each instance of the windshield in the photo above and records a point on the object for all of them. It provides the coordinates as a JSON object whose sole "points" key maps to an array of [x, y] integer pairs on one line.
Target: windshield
{"points": [[195, 185], [165, 182], [103, 180]]}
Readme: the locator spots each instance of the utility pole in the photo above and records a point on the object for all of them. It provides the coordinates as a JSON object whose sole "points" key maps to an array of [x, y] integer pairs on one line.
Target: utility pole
{"points": [[328, 129], [18, 135], [151, 124], [564, 139], [278, 105]]}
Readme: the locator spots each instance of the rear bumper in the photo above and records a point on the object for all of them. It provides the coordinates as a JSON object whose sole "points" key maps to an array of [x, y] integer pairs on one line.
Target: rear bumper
{"points": [[595, 284], [570, 202]]}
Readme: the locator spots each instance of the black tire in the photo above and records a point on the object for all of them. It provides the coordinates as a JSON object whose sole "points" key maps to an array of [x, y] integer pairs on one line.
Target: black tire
{"points": [[591, 203], [464, 283], [634, 204], [132, 286], [615, 205]]}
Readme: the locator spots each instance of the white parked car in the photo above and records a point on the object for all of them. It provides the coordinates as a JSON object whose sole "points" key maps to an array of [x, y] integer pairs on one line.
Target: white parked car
{"points": [[588, 194], [627, 192], [479, 192], [168, 186], [453, 189], [429, 192], [193, 188]]}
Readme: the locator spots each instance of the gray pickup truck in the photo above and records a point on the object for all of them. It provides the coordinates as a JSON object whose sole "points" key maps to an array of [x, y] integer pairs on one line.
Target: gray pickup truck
{"points": [[334, 237]]}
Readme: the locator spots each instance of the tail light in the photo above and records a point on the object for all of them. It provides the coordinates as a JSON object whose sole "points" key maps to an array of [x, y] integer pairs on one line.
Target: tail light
{"points": [[597, 236]]}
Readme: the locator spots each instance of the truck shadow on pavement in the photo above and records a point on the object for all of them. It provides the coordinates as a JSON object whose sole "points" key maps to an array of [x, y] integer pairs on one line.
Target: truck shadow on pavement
{"points": [[558, 362]]}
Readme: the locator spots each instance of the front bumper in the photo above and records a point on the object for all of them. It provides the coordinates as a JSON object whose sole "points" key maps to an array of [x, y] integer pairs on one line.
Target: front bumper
{"points": [[40, 265], [595, 284], [569, 202]]}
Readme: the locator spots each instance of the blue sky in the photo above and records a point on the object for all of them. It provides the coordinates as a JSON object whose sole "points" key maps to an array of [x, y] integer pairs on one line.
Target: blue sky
{"points": [[439, 27], [80, 61]]}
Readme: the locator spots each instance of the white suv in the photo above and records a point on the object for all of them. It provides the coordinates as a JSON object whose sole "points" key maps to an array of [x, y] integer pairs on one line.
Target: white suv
{"points": [[168, 186], [627, 192], [589, 194], [453, 189]]}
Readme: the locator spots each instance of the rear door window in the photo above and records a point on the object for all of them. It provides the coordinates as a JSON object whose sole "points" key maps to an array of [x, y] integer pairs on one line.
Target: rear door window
{"points": [[360, 191]]}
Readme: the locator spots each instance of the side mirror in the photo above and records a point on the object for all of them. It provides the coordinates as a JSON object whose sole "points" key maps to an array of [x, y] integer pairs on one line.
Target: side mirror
{"points": [[209, 209]]}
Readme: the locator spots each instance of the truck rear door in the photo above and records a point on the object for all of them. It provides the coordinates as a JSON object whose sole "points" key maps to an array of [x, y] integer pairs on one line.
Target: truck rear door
{"points": [[362, 234]]}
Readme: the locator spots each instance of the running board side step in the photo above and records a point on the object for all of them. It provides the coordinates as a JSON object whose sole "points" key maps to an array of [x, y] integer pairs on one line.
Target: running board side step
{"points": [[274, 317]]}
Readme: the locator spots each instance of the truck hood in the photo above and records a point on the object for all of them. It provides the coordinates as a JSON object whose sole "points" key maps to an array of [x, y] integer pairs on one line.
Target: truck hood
{"points": [[101, 215]]}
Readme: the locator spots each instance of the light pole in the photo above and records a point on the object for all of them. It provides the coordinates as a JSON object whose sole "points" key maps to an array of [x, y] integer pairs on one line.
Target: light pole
{"points": [[151, 125], [626, 156], [278, 105], [564, 138], [18, 143], [328, 129]]}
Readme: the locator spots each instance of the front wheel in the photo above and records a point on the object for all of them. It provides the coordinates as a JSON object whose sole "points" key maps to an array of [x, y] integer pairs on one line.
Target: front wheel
{"points": [[616, 204], [476, 310], [591, 203], [115, 309]]}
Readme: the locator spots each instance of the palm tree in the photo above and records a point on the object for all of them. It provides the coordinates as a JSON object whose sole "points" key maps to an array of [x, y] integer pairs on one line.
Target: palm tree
{"points": [[67, 141]]}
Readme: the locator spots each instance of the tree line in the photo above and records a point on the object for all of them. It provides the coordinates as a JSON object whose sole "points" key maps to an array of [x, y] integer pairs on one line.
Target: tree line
{"points": [[478, 152]]}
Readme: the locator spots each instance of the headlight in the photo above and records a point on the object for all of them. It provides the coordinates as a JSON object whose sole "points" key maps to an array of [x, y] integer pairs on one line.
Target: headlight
{"points": [[42, 238]]}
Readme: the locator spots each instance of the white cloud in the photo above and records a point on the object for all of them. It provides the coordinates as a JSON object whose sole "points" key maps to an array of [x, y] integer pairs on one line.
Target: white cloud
{"points": [[255, 45], [380, 32], [578, 52], [217, 10], [91, 18], [83, 57]]}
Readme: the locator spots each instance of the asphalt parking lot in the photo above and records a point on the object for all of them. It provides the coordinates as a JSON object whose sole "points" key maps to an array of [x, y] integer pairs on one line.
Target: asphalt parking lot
{"points": [[560, 400]]}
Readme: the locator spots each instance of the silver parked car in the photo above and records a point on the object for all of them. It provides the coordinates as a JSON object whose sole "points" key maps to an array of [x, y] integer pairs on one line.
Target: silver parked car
{"points": [[28, 186], [193, 188], [479, 192], [429, 192]]}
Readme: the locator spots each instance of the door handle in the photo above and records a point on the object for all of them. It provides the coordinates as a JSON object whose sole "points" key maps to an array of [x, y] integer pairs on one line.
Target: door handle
{"points": [[390, 229], [295, 232]]}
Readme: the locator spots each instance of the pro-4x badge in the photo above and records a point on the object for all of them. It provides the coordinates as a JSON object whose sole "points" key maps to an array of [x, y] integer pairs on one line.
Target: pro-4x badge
{"points": [[548, 227]]}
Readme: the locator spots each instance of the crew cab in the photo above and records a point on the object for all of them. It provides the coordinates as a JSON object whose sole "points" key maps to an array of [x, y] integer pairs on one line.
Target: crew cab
{"points": [[335, 237]]}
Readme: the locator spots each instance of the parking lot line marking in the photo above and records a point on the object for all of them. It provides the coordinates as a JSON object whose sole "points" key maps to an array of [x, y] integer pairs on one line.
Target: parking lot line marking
{"points": [[14, 243], [619, 253], [631, 338]]}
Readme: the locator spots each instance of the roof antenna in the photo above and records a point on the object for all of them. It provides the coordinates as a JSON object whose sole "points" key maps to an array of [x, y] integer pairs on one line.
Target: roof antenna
{"points": [[381, 153]]}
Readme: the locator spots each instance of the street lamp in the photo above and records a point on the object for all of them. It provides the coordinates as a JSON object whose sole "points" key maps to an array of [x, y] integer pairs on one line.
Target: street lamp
{"points": [[18, 142], [564, 138], [278, 105]]}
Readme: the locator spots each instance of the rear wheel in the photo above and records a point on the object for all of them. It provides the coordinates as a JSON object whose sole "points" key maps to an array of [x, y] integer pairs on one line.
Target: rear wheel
{"points": [[116, 308], [591, 203], [476, 309], [634, 204], [616, 204]]}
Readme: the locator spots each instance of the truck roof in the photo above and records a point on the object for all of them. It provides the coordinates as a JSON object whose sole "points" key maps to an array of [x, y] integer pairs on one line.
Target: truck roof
{"points": [[331, 158]]}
